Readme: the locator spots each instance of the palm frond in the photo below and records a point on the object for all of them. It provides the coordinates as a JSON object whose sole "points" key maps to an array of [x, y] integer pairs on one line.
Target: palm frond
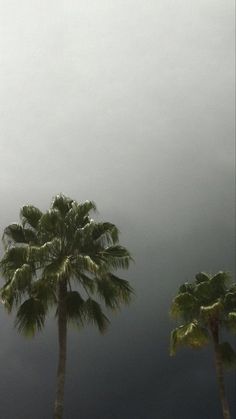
{"points": [[116, 257], [123, 288], [30, 215], [202, 277], [58, 269], [95, 315], [30, 317], [75, 308], [230, 321], [212, 311], [15, 233], [62, 203], [230, 300], [51, 223], [184, 306], [14, 258], [106, 233], [190, 334]]}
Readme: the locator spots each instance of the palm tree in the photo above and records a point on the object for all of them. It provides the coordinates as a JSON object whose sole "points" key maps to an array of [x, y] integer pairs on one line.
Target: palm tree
{"points": [[205, 307], [61, 259]]}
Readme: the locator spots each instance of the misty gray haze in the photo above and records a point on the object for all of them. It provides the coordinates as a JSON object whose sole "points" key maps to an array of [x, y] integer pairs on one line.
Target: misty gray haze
{"points": [[128, 103]]}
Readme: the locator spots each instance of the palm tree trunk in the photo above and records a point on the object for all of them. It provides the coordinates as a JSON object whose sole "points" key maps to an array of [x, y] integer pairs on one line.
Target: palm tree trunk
{"points": [[220, 373], [62, 339]]}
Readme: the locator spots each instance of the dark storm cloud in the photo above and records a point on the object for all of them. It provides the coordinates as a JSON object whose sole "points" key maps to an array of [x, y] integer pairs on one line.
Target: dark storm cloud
{"points": [[128, 103]]}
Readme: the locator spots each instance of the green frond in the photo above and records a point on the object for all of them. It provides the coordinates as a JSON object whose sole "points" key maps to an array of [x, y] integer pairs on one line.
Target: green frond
{"points": [[95, 315], [228, 355], [219, 284], [10, 297], [44, 290], [30, 215], [45, 253], [14, 258], [190, 334], [30, 317], [202, 277], [184, 306], [22, 277], [230, 321], [78, 215], [116, 257], [186, 287], [87, 282], [114, 291], [15, 233], [106, 233], [58, 269], [85, 263], [212, 311], [75, 308], [62, 203], [203, 293], [230, 300], [51, 223], [123, 288]]}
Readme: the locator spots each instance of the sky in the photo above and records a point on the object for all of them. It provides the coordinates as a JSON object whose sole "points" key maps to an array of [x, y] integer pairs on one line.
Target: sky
{"points": [[130, 104]]}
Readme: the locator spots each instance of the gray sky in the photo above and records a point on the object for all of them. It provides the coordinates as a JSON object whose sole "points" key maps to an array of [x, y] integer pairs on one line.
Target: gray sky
{"points": [[130, 104]]}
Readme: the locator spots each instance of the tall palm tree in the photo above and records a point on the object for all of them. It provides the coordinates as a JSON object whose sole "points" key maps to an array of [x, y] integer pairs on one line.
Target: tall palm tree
{"points": [[204, 308], [61, 259]]}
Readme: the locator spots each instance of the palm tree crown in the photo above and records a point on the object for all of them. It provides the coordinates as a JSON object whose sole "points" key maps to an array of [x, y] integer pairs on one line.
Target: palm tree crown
{"points": [[204, 307], [62, 258], [63, 243]]}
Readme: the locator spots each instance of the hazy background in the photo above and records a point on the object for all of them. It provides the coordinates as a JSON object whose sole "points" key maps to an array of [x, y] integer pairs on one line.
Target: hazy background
{"points": [[128, 103]]}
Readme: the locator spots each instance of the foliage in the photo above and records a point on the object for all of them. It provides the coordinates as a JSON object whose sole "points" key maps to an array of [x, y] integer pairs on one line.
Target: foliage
{"points": [[204, 307], [62, 244]]}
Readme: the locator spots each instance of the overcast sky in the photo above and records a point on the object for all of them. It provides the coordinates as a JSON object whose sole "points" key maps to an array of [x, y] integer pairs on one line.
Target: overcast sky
{"points": [[129, 103]]}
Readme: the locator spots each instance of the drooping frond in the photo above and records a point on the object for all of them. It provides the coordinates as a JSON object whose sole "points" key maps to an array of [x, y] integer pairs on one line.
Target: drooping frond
{"points": [[190, 334], [75, 308], [44, 290], [203, 293], [219, 284], [58, 269], [15, 233], [22, 277], [14, 258], [30, 215], [45, 253], [86, 281], [212, 311], [114, 291], [227, 354], [95, 315], [84, 263], [30, 317], [184, 306], [106, 233], [123, 288], [116, 257]]}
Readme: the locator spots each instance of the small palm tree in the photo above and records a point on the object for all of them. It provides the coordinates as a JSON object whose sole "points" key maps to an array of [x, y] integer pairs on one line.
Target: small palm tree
{"points": [[62, 258], [204, 308]]}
